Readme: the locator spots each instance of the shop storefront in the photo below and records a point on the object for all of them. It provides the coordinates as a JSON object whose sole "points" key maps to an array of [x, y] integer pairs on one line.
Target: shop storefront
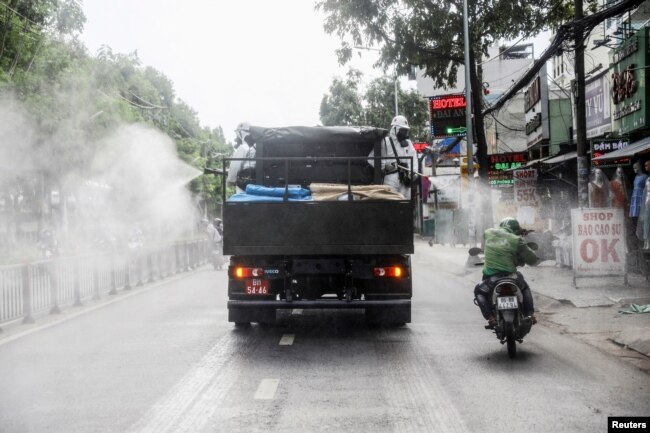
{"points": [[620, 163]]}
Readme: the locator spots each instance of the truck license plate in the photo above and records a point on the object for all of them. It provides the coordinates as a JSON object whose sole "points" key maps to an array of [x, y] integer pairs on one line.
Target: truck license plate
{"points": [[257, 286], [507, 302]]}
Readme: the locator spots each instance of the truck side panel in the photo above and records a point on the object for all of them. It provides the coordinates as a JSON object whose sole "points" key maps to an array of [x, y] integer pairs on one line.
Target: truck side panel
{"points": [[332, 227]]}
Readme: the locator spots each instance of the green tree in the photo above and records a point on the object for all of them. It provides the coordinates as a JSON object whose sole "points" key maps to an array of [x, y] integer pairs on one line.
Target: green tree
{"points": [[71, 100], [342, 106], [379, 106], [347, 104], [429, 34]]}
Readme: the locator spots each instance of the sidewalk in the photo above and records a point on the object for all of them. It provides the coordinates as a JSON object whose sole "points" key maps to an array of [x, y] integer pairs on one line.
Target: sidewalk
{"points": [[591, 311]]}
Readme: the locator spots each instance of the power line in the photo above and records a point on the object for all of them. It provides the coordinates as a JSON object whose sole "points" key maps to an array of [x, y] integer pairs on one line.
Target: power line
{"points": [[147, 102], [564, 32]]}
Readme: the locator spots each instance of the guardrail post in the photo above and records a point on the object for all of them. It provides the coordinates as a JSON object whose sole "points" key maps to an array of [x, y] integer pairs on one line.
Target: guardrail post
{"points": [[127, 272], [150, 267], [27, 296], [76, 282], [177, 258], [169, 261], [113, 290], [95, 282], [186, 256], [162, 273], [54, 288], [138, 268]]}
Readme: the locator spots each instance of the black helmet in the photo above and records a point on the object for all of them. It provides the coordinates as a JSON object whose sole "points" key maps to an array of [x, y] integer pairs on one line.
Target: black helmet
{"points": [[511, 225]]}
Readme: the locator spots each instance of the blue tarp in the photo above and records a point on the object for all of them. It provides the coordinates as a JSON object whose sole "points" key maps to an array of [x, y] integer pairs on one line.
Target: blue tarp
{"points": [[259, 193], [293, 191]]}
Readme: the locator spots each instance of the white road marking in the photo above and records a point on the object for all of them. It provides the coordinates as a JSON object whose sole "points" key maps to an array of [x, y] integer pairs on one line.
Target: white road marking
{"points": [[296, 311], [189, 404], [287, 339], [266, 389]]}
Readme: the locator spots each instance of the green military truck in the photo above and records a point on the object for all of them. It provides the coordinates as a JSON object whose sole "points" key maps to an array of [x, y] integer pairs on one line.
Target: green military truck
{"points": [[301, 252]]}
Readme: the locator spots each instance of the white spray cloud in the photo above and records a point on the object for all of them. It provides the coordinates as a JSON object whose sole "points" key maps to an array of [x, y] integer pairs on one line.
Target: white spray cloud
{"points": [[131, 177], [17, 139], [146, 180]]}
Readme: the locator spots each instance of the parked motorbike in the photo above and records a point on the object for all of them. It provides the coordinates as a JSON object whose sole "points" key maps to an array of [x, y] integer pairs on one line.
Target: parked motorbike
{"points": [[507, 304]]}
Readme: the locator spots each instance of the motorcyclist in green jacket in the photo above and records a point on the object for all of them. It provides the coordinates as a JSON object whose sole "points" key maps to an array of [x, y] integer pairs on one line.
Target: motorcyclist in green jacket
{"points": [[505, 249]]}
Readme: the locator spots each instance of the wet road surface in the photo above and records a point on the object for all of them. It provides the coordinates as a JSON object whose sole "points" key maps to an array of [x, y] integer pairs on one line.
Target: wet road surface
{"points": [[167, 360]]}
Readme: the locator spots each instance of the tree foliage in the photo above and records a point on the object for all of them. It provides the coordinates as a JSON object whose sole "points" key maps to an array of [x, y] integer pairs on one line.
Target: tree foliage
{"points": [[428, 34], [348, 104], [72, 99]]}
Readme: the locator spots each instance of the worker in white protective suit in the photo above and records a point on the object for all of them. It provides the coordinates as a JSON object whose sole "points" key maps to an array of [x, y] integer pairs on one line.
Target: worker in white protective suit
{"points": [[241, 173], [397, 173]]}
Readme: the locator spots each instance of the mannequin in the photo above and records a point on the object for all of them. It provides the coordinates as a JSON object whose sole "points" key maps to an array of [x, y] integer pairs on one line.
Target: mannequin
{"points": [[637, 191], [619, 189], [599, 189], [643, 228]]}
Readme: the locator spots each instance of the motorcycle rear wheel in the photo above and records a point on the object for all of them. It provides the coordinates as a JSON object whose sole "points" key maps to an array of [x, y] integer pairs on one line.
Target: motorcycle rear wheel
{"points": [[511, 343]]}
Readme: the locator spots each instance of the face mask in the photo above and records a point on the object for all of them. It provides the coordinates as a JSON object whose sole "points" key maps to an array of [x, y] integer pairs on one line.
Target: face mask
{"points": [[237, 142], [404, 143], [249, 140], [402, 134]]}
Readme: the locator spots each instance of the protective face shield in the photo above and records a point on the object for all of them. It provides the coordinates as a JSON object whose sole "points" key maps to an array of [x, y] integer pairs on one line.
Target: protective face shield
{"points": [[400, 127], [403, 135], [243, 131]]}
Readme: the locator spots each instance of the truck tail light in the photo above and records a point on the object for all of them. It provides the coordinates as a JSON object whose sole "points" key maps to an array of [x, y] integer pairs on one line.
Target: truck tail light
{"points": [[242, 272], [389, 271]]}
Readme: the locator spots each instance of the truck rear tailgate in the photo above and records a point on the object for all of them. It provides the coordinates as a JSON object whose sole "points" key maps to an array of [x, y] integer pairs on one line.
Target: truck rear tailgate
{"points": [[318, 227]]}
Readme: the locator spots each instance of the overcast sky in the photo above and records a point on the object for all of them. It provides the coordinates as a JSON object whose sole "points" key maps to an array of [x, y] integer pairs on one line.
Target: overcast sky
{"points": [[266, 62]]}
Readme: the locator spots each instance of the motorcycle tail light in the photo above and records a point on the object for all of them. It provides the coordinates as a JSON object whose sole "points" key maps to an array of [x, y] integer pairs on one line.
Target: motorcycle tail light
{"points": [[388, 271], [242, 272], [506, 289]]}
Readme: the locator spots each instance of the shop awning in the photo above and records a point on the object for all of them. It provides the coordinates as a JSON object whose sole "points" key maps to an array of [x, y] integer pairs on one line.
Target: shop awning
{"points": [[640, 146], [536, 161], [561, 158], [528, 164]]}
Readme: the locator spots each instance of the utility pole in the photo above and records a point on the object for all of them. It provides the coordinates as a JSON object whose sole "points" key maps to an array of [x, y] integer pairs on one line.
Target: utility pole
{"points": [[396, 108], [469, 131], [581, 120]]}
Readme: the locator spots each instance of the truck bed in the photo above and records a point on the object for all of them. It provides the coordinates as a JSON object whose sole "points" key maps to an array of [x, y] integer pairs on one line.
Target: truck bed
{"points": [[318, 227]]}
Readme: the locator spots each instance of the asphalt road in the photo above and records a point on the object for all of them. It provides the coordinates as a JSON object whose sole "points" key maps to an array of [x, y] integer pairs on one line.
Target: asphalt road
{"points": [[165, 359]]}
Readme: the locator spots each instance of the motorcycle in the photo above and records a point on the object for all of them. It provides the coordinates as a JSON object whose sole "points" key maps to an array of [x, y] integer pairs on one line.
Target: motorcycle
{"points": [[507, 304]]}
